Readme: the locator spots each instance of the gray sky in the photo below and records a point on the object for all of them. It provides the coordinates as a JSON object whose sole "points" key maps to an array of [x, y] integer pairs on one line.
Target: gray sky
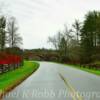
{"points": [[39, 19]]}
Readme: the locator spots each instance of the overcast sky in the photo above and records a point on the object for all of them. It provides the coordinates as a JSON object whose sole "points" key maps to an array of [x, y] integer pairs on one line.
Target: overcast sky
{"points": [[39, 19]]}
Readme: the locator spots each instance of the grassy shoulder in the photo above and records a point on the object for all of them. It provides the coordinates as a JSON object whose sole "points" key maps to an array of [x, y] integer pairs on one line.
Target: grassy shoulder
{"points": [[11, 79], [93, 71]]}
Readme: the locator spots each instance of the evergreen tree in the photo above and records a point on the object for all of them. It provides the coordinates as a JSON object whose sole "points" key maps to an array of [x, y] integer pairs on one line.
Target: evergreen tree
{"points": [[90, 36], [2, 33]]}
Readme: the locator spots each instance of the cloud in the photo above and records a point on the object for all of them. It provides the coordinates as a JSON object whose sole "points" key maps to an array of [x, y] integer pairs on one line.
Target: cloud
{"points": [[40, 18]]}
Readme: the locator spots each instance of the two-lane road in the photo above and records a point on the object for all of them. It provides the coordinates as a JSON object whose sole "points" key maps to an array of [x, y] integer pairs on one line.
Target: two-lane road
{"points": [[57, 82]]}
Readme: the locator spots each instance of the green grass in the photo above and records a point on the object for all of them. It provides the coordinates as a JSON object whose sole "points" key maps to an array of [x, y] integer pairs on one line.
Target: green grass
{"points": [[10, 79], [93, 71]]}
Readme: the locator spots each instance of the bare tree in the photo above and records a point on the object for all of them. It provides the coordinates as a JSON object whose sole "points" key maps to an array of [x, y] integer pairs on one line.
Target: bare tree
{"points": [[55, 40], [14, 38], [77, 29], [61, 42]]}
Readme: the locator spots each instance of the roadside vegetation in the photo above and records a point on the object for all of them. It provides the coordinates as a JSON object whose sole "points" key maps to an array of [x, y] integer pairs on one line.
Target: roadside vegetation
{"points": [[78, 45], [86, 68], [12, 78], [12, 70]]}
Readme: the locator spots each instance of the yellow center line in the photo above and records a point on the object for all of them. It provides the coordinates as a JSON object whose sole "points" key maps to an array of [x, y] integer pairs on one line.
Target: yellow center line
{"points": [[73, 92]]}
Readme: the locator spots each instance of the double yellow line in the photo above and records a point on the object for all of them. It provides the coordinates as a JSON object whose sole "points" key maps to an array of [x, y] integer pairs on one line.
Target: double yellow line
{"points": [[73, 92]]}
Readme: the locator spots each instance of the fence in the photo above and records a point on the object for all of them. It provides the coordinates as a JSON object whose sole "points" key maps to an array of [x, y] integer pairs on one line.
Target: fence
{"points": [[9, 62]]}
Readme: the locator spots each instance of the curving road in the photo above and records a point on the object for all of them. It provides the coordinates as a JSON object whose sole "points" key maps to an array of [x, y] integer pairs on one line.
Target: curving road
{"points": [[57, 82]]}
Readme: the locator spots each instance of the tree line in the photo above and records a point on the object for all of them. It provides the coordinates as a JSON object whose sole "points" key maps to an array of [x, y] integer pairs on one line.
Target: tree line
{"points": [[81, 43], [9, 36]]}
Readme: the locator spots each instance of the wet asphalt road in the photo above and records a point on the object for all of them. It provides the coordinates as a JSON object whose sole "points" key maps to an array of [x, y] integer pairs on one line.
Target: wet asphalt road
{"points": [[46, 84]]}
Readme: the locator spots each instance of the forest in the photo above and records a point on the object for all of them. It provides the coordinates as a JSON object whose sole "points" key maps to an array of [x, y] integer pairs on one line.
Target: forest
{"points": [[77, 45]]}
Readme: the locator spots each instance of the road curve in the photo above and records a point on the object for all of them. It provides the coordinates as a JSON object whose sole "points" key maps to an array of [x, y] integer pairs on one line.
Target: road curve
{"points": [[56, 82]]}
